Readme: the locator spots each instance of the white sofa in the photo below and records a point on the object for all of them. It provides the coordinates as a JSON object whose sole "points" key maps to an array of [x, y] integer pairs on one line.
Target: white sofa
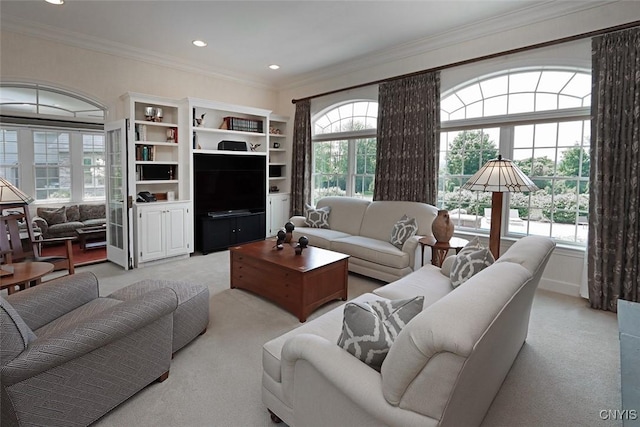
{"points": [[445, 367], [362, 229]]}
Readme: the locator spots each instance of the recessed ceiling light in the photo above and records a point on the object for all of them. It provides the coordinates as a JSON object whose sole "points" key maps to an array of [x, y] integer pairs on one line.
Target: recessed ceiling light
{"points": [[274, 66], [55, 1], [199, 43]]}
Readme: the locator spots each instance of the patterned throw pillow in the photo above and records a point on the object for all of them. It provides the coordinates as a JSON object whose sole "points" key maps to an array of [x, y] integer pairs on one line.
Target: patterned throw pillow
{"points": [[53, 216], [317, 218], [403, 230], [73, 213], [92, 212], [370, 328], [472, 259]]}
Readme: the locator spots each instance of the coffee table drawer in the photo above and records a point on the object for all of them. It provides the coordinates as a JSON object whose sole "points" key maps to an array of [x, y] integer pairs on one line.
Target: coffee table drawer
{"points": [[267, 280]]}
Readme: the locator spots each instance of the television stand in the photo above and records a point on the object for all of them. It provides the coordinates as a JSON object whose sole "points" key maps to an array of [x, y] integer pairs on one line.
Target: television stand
{"points": [[214, 233]]}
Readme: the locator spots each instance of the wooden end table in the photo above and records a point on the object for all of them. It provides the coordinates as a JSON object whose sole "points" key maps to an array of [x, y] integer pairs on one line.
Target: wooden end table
{"points": [[24, 275], [439, 250], [297, 283], [92, 237]]}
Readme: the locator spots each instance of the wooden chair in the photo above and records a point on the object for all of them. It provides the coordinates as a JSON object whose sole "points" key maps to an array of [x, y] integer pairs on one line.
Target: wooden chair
{"points": [[11, 241]]}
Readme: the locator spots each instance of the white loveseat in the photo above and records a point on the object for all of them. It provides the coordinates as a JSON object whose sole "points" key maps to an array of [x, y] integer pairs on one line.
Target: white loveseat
{"points": [[362, 229], [444, 368]]}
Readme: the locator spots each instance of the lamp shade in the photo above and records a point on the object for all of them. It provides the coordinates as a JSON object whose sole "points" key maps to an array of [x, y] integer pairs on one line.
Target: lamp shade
{"points": [[12, 195], [500, 175]]}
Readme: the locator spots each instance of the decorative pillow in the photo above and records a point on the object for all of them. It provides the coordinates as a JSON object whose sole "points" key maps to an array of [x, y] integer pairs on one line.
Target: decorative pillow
{"points": [[92, 212], [445, 268], [470, 260], [370, 328], [53, 216], [73, 213], [317, 218], [403, 230]]}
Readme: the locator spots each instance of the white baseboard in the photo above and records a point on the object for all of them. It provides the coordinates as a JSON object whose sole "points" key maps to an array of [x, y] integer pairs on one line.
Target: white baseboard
{"points": [[565, 288]]}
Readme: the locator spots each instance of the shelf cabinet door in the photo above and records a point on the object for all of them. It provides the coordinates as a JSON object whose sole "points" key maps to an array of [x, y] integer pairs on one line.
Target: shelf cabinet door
{"points": [[151, 234], [250, 228], [177, 226], [278, 212]]}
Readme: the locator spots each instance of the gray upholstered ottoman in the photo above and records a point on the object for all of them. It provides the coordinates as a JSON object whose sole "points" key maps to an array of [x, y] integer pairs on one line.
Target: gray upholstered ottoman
{"points": [[192, 315]]}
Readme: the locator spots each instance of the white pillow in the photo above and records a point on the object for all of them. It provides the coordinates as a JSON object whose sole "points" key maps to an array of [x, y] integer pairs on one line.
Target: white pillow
{"points": [[445, 269]]}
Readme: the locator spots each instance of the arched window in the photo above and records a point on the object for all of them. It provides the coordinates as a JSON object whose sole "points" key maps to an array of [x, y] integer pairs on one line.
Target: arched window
{"points": [[344, 150], [52, 142], [540, 119]]}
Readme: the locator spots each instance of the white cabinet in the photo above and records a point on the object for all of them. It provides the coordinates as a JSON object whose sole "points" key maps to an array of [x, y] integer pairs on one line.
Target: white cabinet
{"points": [[159, 163], [163, 230], [278, 212]]}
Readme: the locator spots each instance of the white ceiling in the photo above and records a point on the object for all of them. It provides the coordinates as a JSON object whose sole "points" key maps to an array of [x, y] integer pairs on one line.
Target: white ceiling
{"points": [[306, 38]]}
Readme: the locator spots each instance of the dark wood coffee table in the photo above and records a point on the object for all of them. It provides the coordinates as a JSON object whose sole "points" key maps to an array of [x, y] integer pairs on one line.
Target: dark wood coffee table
{"points": [[92, 237], [297, 283]]}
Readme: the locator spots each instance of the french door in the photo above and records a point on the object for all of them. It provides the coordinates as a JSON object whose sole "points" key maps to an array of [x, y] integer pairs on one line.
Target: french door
{"points": [[119, 212]]}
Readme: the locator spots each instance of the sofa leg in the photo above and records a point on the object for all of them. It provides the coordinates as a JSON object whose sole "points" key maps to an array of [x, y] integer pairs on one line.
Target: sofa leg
{"points": [[163, 377], [274, 418]]}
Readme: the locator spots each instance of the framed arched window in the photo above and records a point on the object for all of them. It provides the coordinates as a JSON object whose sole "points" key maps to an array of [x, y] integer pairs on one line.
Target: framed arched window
{"points": [[344, 150], [52, 142], [540, 118]]}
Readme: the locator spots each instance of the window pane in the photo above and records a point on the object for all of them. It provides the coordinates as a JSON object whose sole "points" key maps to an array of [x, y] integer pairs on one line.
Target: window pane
{"points": [[94, 166], [52, 165], [9, 156]]}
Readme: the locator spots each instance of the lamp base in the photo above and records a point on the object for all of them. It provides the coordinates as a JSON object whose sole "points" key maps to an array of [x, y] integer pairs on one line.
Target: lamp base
{"points": [[496, 224]]}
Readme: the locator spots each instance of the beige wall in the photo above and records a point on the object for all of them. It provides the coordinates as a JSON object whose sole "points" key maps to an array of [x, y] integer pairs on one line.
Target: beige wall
{"points": [[105, 77]]}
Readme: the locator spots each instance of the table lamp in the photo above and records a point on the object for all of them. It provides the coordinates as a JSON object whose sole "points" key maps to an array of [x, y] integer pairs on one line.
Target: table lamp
{"points": [[13, 197], [498, 176]]}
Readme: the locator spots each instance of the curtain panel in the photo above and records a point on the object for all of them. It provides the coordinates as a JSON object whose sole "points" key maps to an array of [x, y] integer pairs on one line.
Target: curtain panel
{"points": [[614, 204], [408, 140], [301, 158]]}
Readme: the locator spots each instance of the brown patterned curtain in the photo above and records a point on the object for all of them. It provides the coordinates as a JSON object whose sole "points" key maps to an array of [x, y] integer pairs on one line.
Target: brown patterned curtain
{"points": [[301, 158], [614, 204], [408, 143]]}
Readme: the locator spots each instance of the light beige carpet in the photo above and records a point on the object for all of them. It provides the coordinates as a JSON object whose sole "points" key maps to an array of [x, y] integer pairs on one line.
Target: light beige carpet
{"points": [[565, 374]]}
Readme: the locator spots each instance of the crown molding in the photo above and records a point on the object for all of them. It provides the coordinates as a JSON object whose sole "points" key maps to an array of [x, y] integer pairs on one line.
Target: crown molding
{"points": [[533, 14], [71, 38]]}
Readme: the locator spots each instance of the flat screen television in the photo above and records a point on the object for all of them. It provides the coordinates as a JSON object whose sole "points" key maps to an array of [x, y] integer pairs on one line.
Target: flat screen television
{"points": [[224, 183]]}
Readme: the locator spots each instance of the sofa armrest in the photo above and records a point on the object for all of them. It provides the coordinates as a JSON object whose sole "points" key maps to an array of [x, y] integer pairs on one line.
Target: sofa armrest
{"points": [[41, 223], [98, 331], [298, 220], [343, 372], [42, 304], [410, 246]]}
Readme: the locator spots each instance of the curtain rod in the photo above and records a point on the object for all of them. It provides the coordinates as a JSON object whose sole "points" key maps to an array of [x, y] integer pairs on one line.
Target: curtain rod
{"points": [[483, 58]]}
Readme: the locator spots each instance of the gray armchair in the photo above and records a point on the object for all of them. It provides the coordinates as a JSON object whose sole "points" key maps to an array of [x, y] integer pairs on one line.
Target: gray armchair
{"points": [[68, 356]]}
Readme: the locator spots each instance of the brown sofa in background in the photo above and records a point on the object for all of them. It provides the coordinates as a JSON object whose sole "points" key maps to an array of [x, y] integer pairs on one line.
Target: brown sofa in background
{"points": [[65, 220]]}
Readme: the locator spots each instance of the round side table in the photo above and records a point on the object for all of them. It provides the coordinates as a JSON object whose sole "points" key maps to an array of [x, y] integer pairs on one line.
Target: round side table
{"points": [[439, 250]]}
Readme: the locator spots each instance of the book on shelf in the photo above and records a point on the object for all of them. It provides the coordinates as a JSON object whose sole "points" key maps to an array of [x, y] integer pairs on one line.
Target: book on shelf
{"points": [[141, 132], [240, 124]]}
